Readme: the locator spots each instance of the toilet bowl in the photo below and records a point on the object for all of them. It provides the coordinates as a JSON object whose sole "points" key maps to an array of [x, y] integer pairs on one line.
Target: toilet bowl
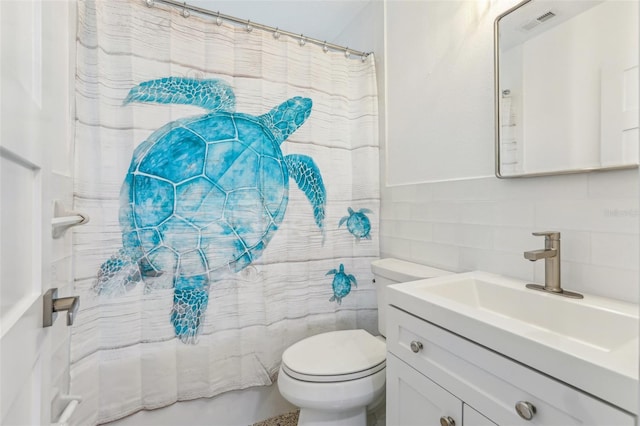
{"points": [[334, 376]]}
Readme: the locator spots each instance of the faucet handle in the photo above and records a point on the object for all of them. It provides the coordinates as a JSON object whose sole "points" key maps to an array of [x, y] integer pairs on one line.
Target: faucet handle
{"points": [[549, 235]]}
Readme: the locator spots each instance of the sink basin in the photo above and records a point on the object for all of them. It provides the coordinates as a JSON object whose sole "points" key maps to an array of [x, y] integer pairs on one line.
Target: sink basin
{"points": [[599, 325], [590, 343]]}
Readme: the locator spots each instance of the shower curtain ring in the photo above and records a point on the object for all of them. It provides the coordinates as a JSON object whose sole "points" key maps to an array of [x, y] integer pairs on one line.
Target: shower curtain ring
{"points": [[302, 40], [185, 12], [218, 19], [364, 57], [346, 52], [149, 3], [325, 48], [249, 26], [276, 34]]}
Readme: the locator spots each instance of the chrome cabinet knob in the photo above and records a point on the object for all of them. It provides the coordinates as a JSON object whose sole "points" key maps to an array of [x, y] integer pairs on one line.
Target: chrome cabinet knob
{"points": [[525, 409], [447, 421], [416, 346]]}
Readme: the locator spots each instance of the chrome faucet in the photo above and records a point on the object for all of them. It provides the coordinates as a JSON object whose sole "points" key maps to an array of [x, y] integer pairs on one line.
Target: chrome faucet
{"points": [[551, 256]]}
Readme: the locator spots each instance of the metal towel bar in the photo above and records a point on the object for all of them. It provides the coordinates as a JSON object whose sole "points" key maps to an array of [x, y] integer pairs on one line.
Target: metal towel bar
{"points": [[63, 219]]}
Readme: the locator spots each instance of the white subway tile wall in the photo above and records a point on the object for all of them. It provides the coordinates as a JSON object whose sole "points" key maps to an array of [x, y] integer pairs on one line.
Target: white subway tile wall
{"points": [[486, 224]]}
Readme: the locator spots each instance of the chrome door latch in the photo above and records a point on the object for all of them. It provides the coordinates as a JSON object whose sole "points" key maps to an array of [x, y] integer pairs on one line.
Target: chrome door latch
{"points": [[52, 305]]}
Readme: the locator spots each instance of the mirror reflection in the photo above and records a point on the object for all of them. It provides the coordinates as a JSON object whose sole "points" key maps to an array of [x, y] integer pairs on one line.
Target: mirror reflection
{"points": [[567, 87]]}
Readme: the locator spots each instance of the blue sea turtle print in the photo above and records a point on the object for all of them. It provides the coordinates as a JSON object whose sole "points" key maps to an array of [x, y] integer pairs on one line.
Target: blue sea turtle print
{"points": [[358, 223], [204, 195], [341, 284]]}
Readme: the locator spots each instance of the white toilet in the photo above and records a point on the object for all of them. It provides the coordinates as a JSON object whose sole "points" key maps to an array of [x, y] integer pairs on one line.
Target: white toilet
{"points": [[334, 376]]}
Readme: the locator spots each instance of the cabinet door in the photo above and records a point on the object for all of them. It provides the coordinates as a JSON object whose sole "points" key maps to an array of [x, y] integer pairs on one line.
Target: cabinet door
{"points": [[414, 400], [471, 417]]}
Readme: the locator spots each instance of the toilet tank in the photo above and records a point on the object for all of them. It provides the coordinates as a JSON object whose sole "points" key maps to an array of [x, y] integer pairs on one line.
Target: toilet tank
{"points": [[393, 271]]}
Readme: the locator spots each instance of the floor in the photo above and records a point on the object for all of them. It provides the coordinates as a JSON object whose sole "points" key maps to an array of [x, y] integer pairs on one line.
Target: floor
{"points": [[374, 418], [288, 419]]}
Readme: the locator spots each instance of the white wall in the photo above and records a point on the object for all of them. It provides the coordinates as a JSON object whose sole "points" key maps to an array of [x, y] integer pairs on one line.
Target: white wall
{"points": [[461, 222], [439, 90]]}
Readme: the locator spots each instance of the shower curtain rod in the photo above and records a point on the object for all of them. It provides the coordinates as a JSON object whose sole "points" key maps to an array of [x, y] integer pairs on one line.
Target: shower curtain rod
{"points": [[277, 32]]}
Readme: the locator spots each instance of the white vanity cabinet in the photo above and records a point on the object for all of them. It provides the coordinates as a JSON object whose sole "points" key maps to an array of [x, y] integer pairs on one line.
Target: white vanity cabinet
{"points": [[435, 376], [415, 400]]}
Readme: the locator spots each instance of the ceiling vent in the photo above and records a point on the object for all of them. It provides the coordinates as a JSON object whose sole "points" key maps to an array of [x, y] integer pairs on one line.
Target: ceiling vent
{"points": [[545, 16], [539, 20]]}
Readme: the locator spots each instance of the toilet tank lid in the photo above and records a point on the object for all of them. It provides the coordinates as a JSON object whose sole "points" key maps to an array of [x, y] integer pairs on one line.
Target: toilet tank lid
{"points": [[402, 271]]}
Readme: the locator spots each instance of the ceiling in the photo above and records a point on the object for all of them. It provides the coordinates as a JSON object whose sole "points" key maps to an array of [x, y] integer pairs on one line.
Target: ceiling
{"points": [[324, 20]]}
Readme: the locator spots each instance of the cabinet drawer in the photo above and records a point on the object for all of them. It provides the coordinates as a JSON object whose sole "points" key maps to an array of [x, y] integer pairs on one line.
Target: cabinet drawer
{"points": [[491, 383]]}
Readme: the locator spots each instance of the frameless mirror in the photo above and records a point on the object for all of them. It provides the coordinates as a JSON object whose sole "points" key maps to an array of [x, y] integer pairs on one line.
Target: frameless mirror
{"points": [[566, 78]]}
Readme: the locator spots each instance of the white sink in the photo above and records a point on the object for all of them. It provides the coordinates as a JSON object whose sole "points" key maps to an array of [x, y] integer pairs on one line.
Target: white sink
{"points": [[590, 343]]}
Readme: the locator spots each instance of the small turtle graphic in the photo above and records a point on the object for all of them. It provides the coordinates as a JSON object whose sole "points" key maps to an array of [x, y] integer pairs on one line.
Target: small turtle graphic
{"points": [[341, 284], [204, 195], [358, 223]]}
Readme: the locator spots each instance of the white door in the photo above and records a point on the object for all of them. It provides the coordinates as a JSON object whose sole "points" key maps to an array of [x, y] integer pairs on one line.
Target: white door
{"points": [[35, 136]]}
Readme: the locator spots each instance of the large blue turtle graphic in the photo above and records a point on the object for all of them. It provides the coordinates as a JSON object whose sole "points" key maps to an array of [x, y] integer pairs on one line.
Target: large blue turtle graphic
{"points": [[204, 195]]}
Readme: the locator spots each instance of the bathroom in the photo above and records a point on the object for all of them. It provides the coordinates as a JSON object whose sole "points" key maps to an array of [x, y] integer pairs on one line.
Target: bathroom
{"points": [[440, 202]]}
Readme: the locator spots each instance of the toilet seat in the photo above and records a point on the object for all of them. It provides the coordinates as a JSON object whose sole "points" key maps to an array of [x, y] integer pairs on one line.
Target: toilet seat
{"points": [[335, 356]]}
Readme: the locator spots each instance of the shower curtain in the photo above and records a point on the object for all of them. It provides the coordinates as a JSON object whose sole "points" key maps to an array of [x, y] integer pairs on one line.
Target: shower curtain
{"points": [[232, 179]]}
